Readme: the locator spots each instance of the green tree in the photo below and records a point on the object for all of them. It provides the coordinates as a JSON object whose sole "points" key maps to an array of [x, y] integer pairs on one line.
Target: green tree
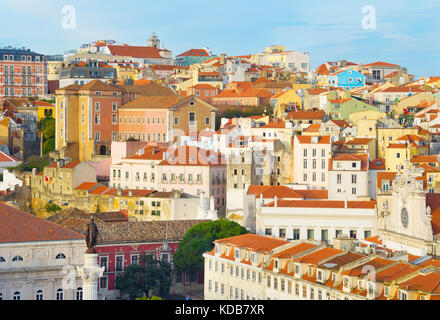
{"points": [[199, 239], [47, 127], [151, 275], [53, 208], [34, 162]]}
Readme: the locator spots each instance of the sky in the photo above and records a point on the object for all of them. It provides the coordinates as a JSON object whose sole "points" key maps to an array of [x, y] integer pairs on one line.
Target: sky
{"points": [[406, 32]]}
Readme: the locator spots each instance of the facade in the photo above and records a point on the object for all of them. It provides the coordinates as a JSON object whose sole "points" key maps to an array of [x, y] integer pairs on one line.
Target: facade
{"points": [[251, 267], [347, 79], [83, 73], [123, 243], [162, 119], [35, 257], [23, 73], [311, 158], [87, 119], [192, 56]]}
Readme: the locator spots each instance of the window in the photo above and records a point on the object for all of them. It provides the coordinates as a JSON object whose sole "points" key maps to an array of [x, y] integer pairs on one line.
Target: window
{"points": [[39, 295], [324, 235], [103, 262], [367, 234], [17, 295], [79, 293], [296, 234], [192, 118], [119, 266], [338, 178], [60, 256], [353, 178], [282, 233], [403, 295], [103, 283], [17, 258], [60, 294], [268, 231], [207, 121], [310, 234]]}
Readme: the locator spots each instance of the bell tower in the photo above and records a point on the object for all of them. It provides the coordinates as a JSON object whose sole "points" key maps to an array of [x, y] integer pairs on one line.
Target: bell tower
{"points": [[407, 226], [154, 41]]}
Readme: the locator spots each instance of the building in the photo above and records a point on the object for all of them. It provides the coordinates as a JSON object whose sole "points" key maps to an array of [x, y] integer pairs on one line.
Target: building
{"points": [[311, 156], [252, 267], [348, 176], [278, 57], [163, 118], [347, 79], [35, 257], [192, 56], [23, 73], [122, 243], [81, 73]]}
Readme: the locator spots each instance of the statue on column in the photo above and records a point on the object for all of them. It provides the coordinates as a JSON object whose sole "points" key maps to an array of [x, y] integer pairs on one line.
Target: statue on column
{"points": [[92, 235]]}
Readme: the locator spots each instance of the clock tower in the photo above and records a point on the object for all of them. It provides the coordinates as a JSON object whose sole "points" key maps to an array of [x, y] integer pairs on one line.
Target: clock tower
{"points": [[406, 224]]}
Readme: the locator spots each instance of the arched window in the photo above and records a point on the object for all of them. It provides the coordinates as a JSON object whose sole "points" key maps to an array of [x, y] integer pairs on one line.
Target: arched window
{"points": [[60, 294], [60, 256], [17, 258], [39, 295], [2, 259], [1, 296], [17, 295], [79, 293]]}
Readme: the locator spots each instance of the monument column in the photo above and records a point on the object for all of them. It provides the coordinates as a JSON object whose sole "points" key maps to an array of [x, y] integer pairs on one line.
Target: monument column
{"points": [[90, 272]]}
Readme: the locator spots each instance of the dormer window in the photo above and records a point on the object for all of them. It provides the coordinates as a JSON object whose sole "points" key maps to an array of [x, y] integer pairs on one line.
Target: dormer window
{"points": [[346, 282], [319, 275], [254, 258], [296, 268], [217, 249], [237, 253], [276, 264]]}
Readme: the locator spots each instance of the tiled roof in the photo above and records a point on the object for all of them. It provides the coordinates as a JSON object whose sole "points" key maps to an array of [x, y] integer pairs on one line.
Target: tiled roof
{"points": [[376, 263], [4, 157], [152, 102], [341, 260], [380, 63], [253, 242], [359, 141], [306, 115], [308, 139], [423, 282], [377, 164], [317, 256], [313, 128], [395, 272], [385, 176], [135, 51], [19, 226], [149, 153], [269, 192], [195, 53], [298, 248]]}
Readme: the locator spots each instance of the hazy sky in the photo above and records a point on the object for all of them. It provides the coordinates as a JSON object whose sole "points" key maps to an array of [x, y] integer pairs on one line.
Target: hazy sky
{"points": [[407, 31]]}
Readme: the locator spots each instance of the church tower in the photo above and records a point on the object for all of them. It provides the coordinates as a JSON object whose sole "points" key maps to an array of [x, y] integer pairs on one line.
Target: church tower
{"points": [[154, 41], [407, 225]]}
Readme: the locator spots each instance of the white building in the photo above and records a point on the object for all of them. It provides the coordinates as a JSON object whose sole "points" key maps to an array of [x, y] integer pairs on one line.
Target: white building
{"points": [[311, 157], [348, 177], [10, 181], [320, 220], [38, 259]]}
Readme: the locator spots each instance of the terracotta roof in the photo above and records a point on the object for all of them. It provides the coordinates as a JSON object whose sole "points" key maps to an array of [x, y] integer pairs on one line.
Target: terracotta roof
{"points": [[4, 157], [298, 248], [380, 63], [317, 256], [308, 139], [306, 115], [385, 176], [87, 186], [269, 192], [342, 260], [376, 263], [359, 141], [425, 159], [396, 146], [253, 242], [316, 91], [152, 102], [19, 226], [313, 128], [42, 104], [149, 153], [322, 70], [338, 101], [195, 53], [375, 239], [395, 272], [402, 89], [135, 51], [363, 158], [377, 164]]}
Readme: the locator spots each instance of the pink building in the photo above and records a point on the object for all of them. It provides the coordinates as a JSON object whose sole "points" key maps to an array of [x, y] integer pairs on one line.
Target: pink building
{"points": [[311, 159], [194, 170]]}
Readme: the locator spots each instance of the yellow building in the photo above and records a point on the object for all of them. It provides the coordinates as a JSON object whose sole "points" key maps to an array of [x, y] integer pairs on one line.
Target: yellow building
{"points": [[406, 148], [288, 97], [125, 72], [45, 110], [411, 101], [56, 184], [387, 136]]}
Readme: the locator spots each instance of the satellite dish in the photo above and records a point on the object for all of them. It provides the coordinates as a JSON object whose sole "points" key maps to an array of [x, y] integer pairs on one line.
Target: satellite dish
{"points": [[329, 265]]}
